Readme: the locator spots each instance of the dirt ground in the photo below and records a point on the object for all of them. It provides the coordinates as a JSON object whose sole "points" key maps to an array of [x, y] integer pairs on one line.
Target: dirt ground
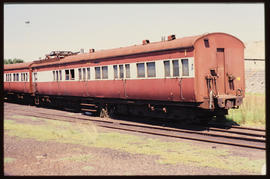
{"points": [[113, 152]]}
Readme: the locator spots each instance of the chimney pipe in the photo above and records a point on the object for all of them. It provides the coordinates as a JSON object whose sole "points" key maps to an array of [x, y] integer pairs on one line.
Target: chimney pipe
{"points": [[171, 37]]}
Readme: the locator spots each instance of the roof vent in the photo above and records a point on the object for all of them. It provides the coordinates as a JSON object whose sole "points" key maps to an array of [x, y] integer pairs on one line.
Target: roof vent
{"points": [[171, 37], [145, 42], [82, 50], [91, 50]]}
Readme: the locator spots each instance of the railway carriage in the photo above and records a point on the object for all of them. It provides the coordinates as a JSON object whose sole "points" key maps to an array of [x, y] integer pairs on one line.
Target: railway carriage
{"points": [[170, 78], [17, 80]]}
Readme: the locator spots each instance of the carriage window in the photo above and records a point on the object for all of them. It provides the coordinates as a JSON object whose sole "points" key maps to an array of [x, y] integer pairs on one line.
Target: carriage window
{"points": [[88, 73], [121, 71], [35, 76], [67, 74], [14, 79], [22, 76], [140, 70], [206, 43], [115, 70], [105, 72], [17, 76], [127, 66], [57, 76], [72, 74], [185, 71], [175, 68], [97, 72], [80, 73], [167, 68], [84, 74], [151, 69]]}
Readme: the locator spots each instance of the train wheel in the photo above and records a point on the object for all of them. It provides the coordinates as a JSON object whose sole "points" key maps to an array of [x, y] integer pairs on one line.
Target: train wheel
{"points": [[36, 100], [107, 111], [104, 113]]}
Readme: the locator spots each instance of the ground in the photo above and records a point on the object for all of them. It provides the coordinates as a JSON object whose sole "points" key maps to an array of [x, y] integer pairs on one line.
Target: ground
{"points": [[37, 146]]}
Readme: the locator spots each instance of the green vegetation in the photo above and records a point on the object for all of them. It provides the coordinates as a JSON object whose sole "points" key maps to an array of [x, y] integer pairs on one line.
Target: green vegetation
{"points": [[9, 160], [251, 112], [78, 158], [167, 152], [12, 61], [88, 168]]}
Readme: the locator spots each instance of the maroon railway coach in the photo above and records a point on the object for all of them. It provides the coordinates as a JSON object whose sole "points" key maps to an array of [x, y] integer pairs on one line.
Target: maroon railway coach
{"points": [[17, 80], [204, 72]]}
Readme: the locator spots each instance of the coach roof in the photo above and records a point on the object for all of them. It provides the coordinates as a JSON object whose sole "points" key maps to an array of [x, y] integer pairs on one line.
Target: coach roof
{"points": [[17, 66], [184, 42]]}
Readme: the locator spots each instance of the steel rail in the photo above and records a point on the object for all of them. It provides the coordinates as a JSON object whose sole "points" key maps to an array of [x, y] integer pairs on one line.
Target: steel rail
{"points": [[143, 127]]}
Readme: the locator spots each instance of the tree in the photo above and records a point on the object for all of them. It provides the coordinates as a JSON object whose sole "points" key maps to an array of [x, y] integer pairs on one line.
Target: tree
{"points": [[12, 61]]}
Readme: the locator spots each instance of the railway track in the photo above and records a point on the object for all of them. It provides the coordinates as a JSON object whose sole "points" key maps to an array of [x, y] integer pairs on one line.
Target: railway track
{"points": [[235, 136]]}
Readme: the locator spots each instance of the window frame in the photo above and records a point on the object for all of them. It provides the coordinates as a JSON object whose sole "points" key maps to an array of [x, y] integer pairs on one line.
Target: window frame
{"points": [[115, 71], [184, 67], [168, 68], [175, 73], [127, 70], [148, 68], [121, 71], [97, 77], [142, 70], [88, 71], [104, 73]]}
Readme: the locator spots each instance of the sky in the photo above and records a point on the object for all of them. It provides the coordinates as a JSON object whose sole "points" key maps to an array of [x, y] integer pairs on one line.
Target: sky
{"points": [[104, 26]]}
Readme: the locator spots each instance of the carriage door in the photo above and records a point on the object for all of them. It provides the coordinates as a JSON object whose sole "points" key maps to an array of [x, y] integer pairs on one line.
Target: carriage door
{"points": [[35, 82], [221, 86]]}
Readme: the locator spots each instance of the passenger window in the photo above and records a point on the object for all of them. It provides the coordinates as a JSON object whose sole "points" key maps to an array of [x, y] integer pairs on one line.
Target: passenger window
{"points": [[17, 77], [206, 43], [97, 72], [127, 66], [121, 71], [140, 70], [56, 75], [185, 71], [35, 76], [88, 73], [175, 67], [105, 72], [80, 73], [67, 74], [21, 76], [167, 68], [151, 69], [72, 74], [84, 74], [115, 70]]}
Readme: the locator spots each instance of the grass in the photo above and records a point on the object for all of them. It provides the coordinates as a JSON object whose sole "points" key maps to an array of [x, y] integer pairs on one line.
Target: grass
{"points": [[166, 152], [251, 112], [9, 160], [88, 168], [78, 158], [28, 117]]}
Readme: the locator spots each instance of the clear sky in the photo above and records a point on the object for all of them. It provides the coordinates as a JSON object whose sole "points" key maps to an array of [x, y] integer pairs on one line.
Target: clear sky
{"points": [[103, 26]]}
